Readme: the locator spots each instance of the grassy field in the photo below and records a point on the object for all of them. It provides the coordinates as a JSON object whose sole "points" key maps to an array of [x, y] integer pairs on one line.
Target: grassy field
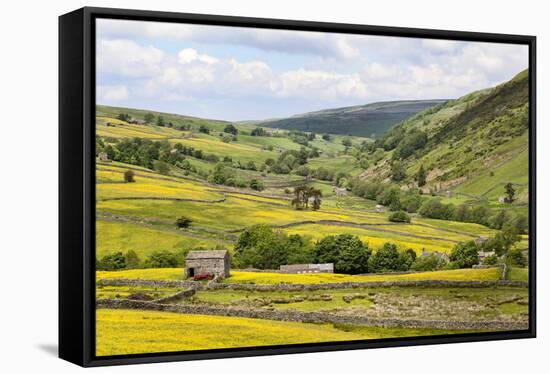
{"points": [[131, 331], [120, 236], [277, 278]]}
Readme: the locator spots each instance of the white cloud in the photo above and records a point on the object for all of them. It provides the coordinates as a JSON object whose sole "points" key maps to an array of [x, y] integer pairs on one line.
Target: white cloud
{"points": [[280, 66], [188, 55], [440, 45], [127, 58], [108, 94], [326, 85]]}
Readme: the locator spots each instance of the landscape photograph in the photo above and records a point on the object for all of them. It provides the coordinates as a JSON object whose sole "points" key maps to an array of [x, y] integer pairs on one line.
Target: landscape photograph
{"points": [[267, 187]]}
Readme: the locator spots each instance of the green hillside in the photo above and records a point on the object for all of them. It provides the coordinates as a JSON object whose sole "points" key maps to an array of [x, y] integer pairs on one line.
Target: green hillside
{"points": [[472, 146], [361, 120]]}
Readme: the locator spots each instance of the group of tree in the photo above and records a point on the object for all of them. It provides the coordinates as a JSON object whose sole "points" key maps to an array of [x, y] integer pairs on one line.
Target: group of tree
{"points": [[290, 160], [263, 247], [230, 129], [131, 260], [226, 175], [413, 201], [303, 195]]}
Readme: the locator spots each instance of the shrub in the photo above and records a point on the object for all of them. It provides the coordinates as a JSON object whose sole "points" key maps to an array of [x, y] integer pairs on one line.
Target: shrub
{"points": [[399, 216], [428, 263], [490, 260], [162, 259], [464, 254], [183, 222], [114, 261], [256, 184], [129, 176], [132, 260]]}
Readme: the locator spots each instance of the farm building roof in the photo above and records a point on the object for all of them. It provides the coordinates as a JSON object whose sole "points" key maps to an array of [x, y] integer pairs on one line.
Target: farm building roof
{"points": [[194, 255]]}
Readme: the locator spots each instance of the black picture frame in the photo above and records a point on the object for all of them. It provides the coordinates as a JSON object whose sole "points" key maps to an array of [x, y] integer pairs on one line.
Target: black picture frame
{"points": [[77, 183]]}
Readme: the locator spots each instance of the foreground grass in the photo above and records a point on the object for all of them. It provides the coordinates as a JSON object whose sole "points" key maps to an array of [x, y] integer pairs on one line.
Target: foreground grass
{"points": [[129, 331], [274, 278], [132, 331]]}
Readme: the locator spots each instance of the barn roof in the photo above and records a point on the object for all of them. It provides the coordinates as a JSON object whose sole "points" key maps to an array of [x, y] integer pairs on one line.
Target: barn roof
{"points": [[195, 255]]}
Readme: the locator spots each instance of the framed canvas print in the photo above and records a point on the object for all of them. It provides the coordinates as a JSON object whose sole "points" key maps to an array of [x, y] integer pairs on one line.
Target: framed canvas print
{"points": [[236, 186]]}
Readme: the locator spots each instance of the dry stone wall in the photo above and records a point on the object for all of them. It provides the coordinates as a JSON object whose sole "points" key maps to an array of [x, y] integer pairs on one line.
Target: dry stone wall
{"points": [[310, 317]]}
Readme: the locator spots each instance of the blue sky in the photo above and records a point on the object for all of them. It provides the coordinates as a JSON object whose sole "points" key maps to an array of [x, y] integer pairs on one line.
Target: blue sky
{"points": [[243, 73]]}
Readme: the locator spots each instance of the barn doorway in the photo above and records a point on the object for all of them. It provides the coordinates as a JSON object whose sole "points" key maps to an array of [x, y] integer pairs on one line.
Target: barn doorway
{"points": [[190, 272]]}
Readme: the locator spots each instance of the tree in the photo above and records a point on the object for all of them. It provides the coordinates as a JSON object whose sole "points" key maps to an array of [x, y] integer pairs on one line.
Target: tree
{"points": [[250, 165], [261, 247], [346, 142], [129, 176], [203, 129], [364, 163], [326, 137], [161, 167], [303, 171], [183, 222], [311, 136], [162, 259], [114, 261], [160, 121], [421, 176], [124, 117], [398, 172], [348, 254], [258, 131], [515, 257], [399, 216], [510, 193], [132, 260], [300, 200], [149, 117], [464, 254], [389, 259], [230, 129], [316, 195]]}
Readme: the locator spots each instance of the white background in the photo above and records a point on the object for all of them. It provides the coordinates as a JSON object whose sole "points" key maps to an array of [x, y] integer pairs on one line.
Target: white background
{"points": [[28, 205]]}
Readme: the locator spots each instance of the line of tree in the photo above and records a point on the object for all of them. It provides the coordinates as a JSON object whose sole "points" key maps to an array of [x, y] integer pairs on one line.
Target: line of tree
{"points": [[413, 201]]}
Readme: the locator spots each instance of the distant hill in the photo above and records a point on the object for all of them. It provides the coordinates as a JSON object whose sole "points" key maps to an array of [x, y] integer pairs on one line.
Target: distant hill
{"points": [[360, 120]]}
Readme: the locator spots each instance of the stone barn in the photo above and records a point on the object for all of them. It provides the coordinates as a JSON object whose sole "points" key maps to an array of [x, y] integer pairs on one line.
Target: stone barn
{"points": [[103, 156], [340, 191], [307, 268], [207, 263]]}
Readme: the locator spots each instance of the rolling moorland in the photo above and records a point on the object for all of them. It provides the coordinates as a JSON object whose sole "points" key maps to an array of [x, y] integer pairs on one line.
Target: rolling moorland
{"points": [[449, 182], [361, 120]]}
